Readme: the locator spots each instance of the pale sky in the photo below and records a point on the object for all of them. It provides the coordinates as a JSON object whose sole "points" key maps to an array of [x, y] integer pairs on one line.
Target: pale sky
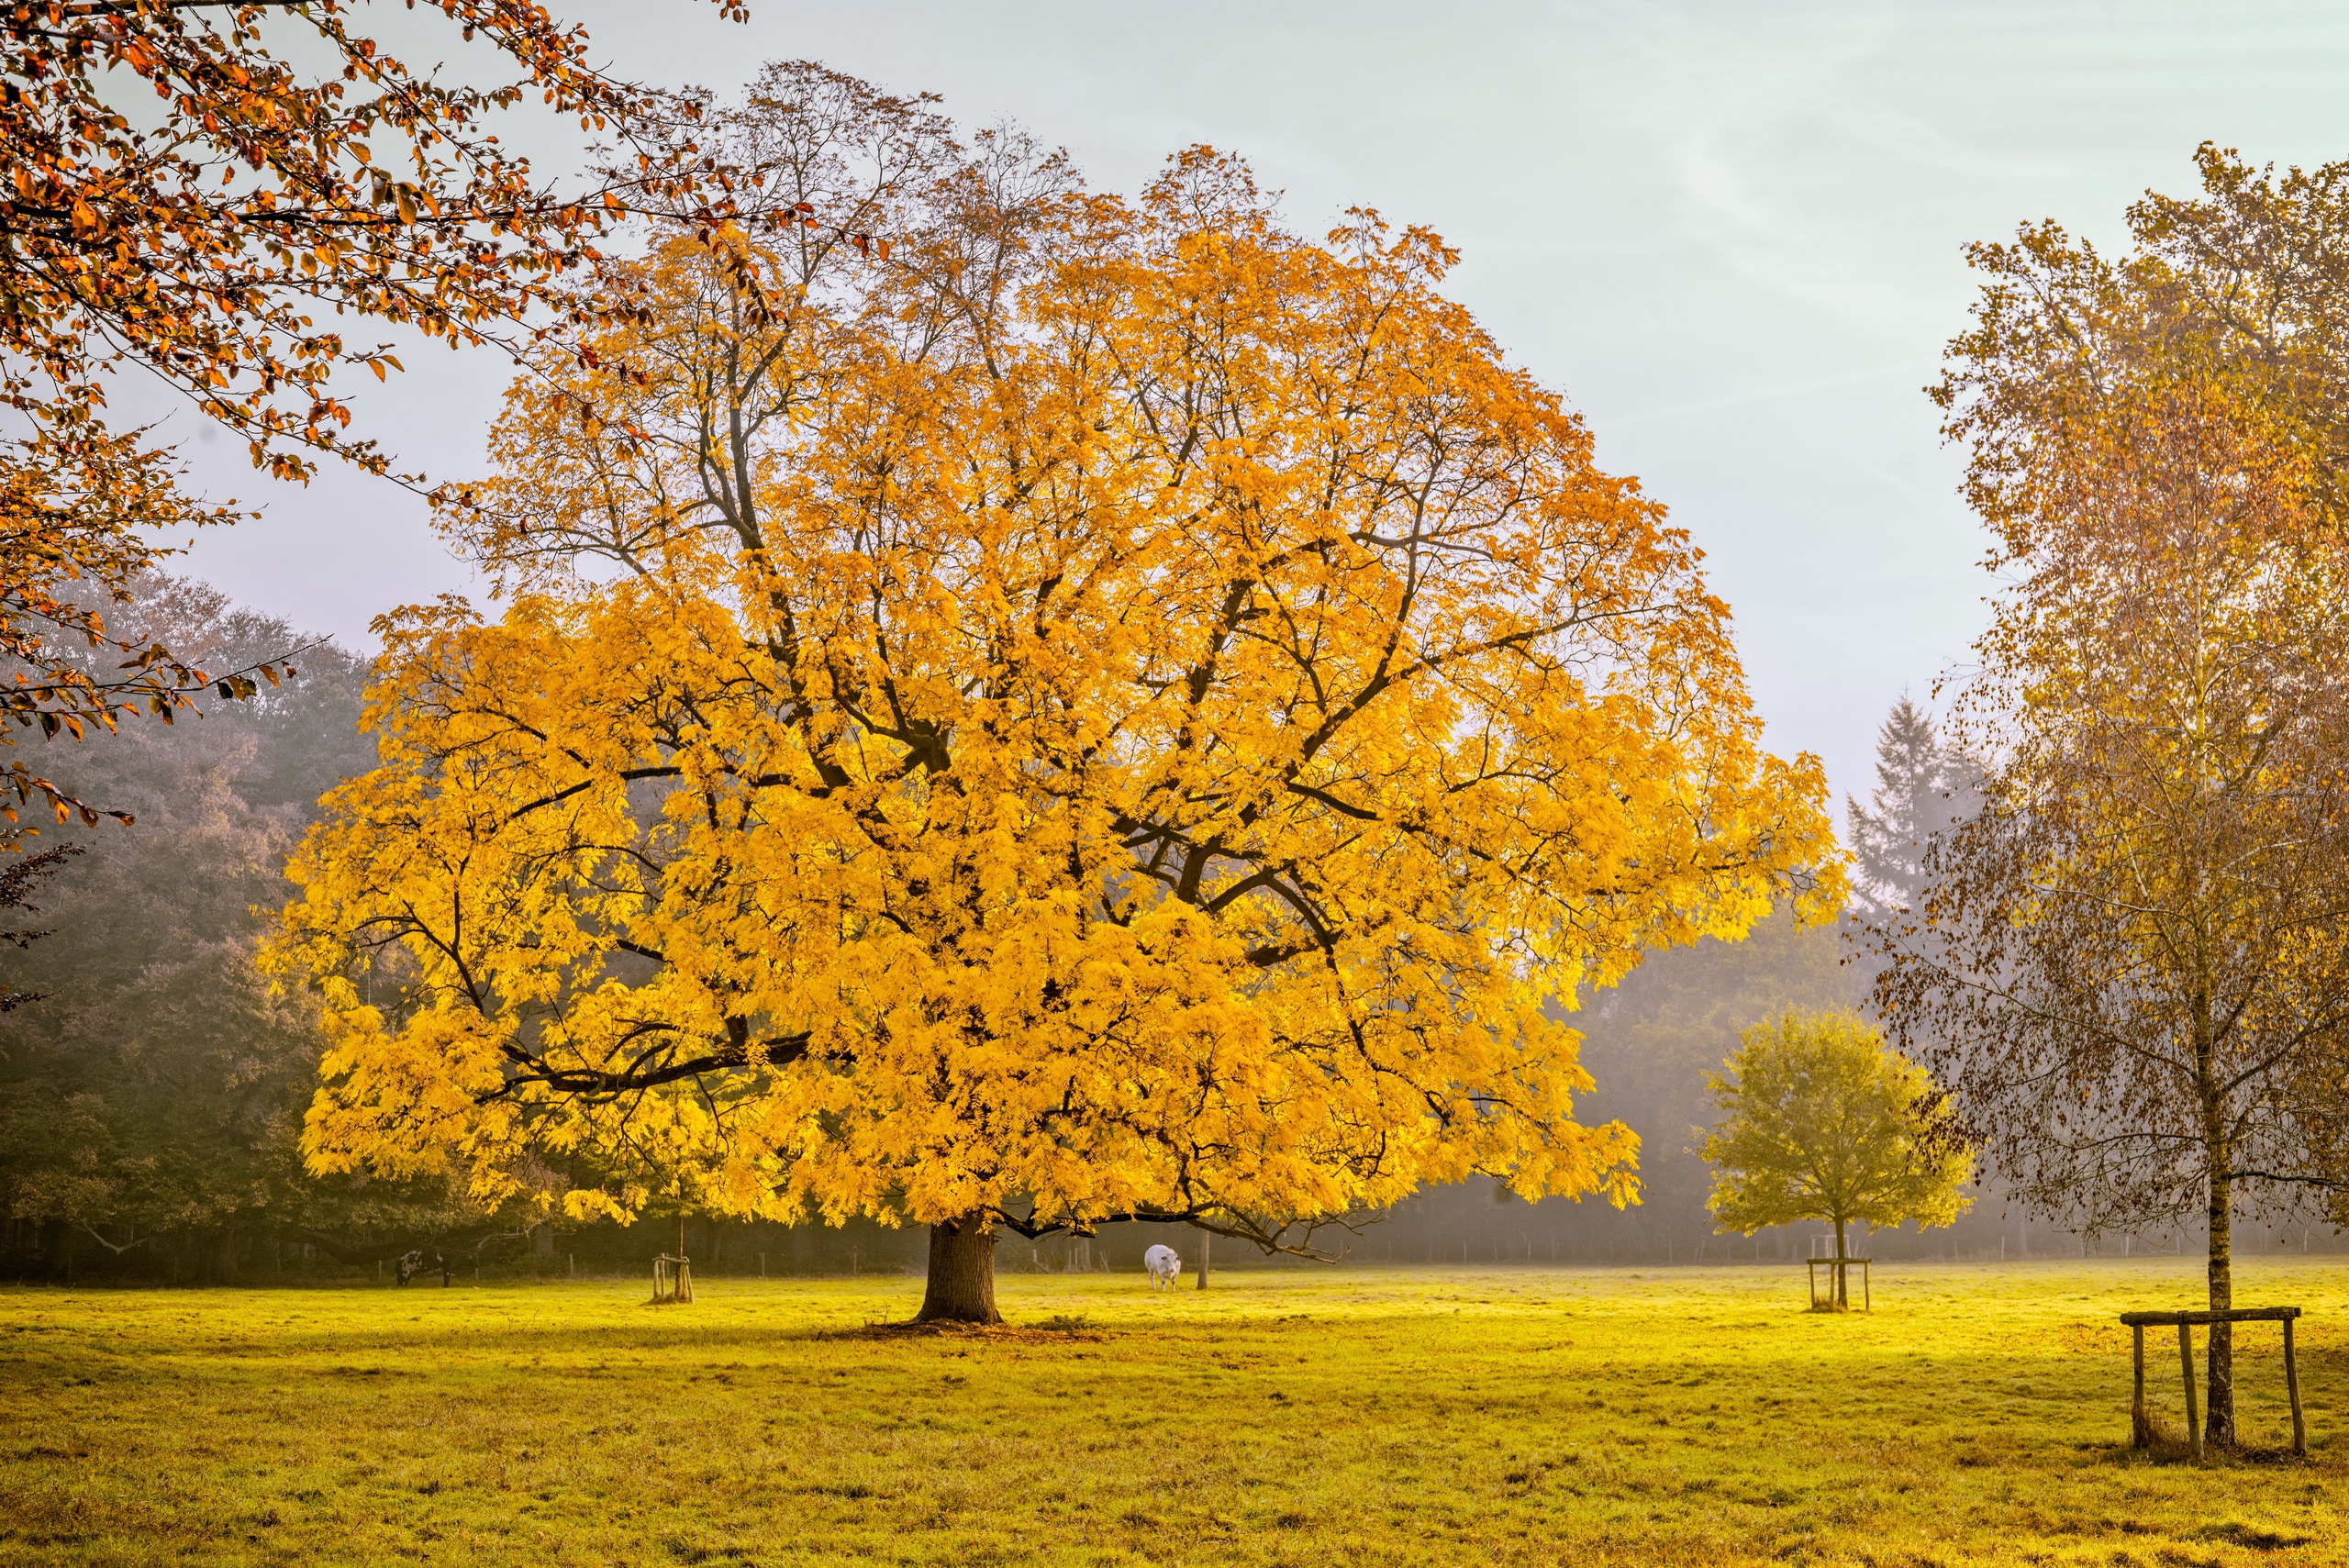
{"points": [[1729, 232]]}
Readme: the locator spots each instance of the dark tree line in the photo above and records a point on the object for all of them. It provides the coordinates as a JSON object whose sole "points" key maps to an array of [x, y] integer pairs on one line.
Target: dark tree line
{"points": [[151, 1087]]}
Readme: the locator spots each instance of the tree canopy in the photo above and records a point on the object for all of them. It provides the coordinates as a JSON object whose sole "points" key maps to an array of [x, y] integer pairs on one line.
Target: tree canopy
{"points": [[1108, 710]]}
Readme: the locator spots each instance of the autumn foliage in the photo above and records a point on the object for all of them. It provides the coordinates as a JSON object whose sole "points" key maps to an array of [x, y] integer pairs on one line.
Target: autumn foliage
{"points": [[1113, 711], [181, 201]]}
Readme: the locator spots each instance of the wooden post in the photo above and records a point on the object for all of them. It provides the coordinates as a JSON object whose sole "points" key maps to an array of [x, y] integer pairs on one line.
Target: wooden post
{"points": [[2185, 1360], [1204, 1237], [2292, 1385], [1868, 1293], [2140, 1434]]}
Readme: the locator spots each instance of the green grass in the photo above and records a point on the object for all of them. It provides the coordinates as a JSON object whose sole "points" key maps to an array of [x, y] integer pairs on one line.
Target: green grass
{"points": [[1354, 1416]]}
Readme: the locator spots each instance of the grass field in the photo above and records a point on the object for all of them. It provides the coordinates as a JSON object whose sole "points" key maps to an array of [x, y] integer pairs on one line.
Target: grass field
{"points": [[1528, 1416]]}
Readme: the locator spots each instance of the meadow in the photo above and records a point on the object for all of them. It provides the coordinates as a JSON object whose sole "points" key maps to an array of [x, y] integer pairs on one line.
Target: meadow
{"points": [[1368, 1416]]}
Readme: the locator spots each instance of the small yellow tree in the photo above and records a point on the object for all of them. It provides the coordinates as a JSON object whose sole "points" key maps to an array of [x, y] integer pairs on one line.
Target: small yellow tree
{"points": [[1821, 1121]]}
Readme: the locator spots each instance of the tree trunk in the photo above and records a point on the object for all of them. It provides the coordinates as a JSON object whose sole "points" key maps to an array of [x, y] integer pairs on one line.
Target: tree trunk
{"points": [[1843, 1287], [962, 1273], [2219, 1429], [2218, 1425]]}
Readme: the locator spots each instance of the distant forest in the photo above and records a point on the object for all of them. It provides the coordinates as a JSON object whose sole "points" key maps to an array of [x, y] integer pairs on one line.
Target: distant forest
{"points": [[152, 1089]]}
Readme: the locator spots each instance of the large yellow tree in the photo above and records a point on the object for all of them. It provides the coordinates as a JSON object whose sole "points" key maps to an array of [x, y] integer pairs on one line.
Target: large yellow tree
{"points": [[1112, 711]]}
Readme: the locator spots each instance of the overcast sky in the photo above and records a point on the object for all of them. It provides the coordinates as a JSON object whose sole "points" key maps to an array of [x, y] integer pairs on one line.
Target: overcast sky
{"points": [[1728, 232]]}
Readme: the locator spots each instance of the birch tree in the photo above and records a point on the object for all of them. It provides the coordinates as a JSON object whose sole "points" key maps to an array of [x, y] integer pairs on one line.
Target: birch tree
{"points": [[2130, 967]]}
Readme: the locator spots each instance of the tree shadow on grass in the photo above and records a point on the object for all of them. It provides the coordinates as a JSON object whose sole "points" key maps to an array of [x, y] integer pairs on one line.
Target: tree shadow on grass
{"points": [[1059, 1330], [2169, 1446]]}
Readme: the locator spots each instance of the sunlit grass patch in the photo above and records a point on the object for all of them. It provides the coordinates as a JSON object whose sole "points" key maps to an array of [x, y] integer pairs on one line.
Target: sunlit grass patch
{"points": [[1380, 1416]]}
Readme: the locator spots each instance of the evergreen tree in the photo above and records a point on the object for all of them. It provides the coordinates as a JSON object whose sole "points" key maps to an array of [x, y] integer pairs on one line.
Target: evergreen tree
{"points": [[1922, 788]]}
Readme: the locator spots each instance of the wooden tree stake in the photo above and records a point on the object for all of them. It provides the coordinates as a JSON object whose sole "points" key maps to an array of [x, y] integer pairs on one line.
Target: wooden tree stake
{"points": [[2142, 1437], [2292, 1385], [2141, 1432], [2185, 1360]]}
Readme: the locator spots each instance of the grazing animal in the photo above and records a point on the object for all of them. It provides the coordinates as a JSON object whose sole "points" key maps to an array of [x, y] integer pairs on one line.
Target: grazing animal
{"points": [[411, 1264], [1164, 1266]]}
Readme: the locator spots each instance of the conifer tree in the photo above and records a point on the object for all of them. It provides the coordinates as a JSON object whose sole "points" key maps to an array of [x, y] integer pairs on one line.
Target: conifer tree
{"points": [[1923, 786]]}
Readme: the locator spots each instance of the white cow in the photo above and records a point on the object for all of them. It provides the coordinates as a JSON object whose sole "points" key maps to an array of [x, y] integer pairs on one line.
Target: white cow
{"points": [[1164, 1266]]}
